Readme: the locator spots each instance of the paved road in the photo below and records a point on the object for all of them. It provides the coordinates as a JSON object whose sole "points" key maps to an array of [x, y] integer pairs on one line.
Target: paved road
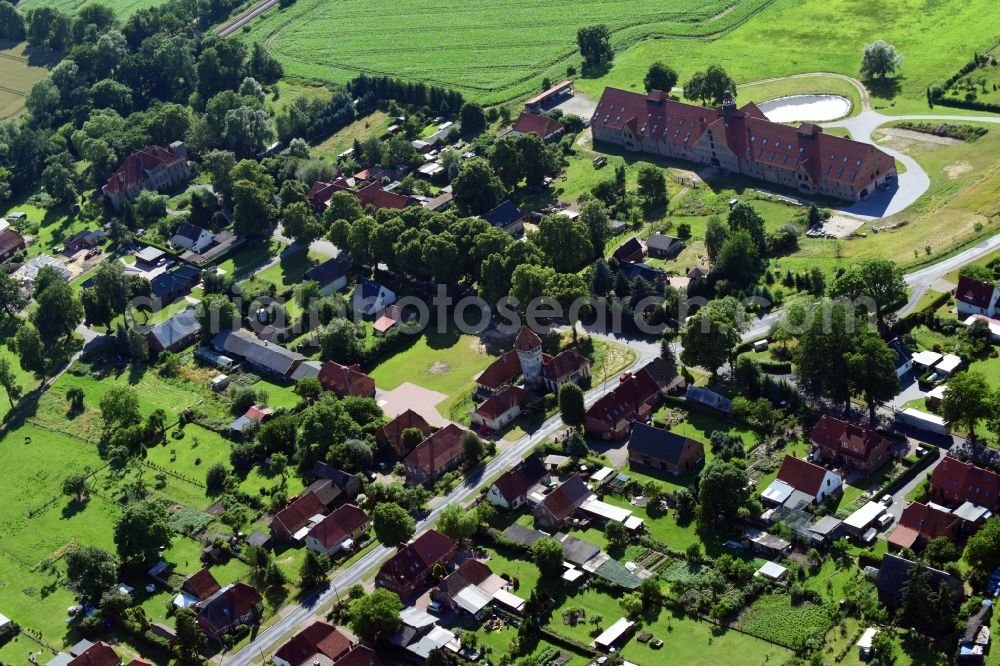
{"points": [[243, 19], [268, 640], [899, 497], [921, 280]]}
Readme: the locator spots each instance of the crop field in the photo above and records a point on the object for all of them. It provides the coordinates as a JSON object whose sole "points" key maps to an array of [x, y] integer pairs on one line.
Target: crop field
{"points": [[774, 618], [20, 67], [123, 8], [490, 51], [935, 37]]}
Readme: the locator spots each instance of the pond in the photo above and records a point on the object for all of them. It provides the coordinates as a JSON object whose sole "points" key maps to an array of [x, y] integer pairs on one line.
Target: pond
{"points": [[802, 108]]}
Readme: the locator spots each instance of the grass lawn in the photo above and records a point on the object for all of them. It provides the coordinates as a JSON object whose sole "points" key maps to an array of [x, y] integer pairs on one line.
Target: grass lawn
{"points": [[193, 454], [123, 8], [290, 269], [609, 360], [249, 258], [445, 362], [372, 125]]}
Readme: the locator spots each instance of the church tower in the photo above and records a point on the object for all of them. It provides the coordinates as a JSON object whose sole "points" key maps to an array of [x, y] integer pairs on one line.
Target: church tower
{"points": [[529, 352]]}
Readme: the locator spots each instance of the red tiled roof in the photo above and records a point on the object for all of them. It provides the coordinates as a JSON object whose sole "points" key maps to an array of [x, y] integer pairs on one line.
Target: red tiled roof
{"points": [[427, 550], [297, 514], [346, 380], [920, 520], [339, 524], [567, 498], [501, 402], [564, 364], [438, 450], [527, 340], [845, 439], [500, 372], [623, 403], [374, 195], [392, 431], [384, 323], [321, 192], [541, 126], [967, 482], [133, 170], [232, 601], [746, 132], [139, 662], [98, 654], [317, 638], [802, 475], [360, 655], [542, 96], [516, 482], [201, 585], [258, 413], [975, 292], [10, 240]]}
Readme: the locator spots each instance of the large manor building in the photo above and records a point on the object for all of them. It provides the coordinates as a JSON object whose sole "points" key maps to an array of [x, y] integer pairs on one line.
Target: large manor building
{"points": [[742, 140]]}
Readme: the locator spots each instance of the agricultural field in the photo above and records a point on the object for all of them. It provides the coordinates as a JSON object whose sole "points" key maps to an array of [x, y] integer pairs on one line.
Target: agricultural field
{"points": [[489, 51], [124, 8], [20, 67], [795, 36]]}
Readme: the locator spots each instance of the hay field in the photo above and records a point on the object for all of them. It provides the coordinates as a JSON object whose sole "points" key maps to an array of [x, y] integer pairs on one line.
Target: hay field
{"points": [[20, 67], [489, 50]]}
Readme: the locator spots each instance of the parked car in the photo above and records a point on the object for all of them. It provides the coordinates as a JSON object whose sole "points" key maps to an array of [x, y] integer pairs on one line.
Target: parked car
{"points": [[885, 520], [887, 500], [434, 607]]}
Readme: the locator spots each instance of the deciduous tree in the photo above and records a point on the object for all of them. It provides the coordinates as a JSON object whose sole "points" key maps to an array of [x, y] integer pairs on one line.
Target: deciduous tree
{"points": [[392, 524]]}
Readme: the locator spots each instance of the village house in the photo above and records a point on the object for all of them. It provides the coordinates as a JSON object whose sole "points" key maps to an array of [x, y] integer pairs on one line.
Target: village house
{"points": [[742, 140], [390, 436], [439, 453], [894, 571], [470, 588], [709, 399], [919, 523], [346, 380], [566, 367], [544, 127], [663, 450], [973, 297], [661, 246], [904, 359], [560, 505], [501, 372], [348, 486], [263, 356], [329, 275], [630, 251], [651, 274], [410, 566], [540, 371], [801, 482], [172, 284], [954, 483], [152, 168], [233, 605], [294, 521], [323, 644], [199, 586], [499, 409], [851, 446], [371, 298], [254, 415], [84, 240], [338, 531], [633, 399], [11, 243], [95, 654], [192, 237], [175, 333], [506, 217], [373, 195], [510, 491]]}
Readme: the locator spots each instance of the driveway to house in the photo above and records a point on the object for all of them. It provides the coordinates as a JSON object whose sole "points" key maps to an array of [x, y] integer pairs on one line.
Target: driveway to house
{"points": [[269, 639], [899, 501], [922, 280]]}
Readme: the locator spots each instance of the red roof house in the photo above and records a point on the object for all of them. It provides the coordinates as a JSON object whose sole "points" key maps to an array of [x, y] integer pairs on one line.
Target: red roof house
{"points": [[854, 447], [500, 408], [812, 480], [316, 643], [511, 489], [11, 243], [373, 195], [411, 565], [152, 168], [391, 433], [565, 367], [561, 503], [228, 608], [975, 297], [544, 127], [201, 585], [955, 482], [98, 654], [921, 523], [296, 516], [346, 380], [633, 399], [333, 533], [500, 372], [436, 455]]}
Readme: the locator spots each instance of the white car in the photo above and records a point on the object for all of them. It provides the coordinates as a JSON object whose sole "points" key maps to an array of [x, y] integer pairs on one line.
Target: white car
{"points": [[885, 520], [887, 500]]}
